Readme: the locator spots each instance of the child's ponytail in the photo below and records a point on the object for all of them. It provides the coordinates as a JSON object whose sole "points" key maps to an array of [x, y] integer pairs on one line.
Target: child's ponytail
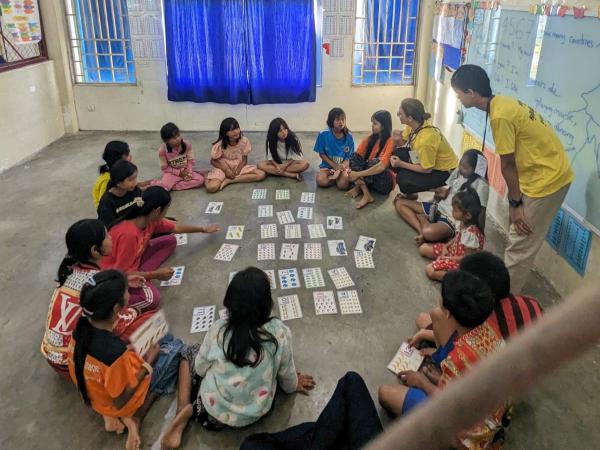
{"points": [[113, 152], [471, 156], [119, 172], [83, 236]]}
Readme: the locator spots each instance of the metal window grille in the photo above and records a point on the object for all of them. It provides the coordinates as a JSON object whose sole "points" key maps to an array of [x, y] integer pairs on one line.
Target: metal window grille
{"points": [[384, 42], [13, 55], [100, 41]]}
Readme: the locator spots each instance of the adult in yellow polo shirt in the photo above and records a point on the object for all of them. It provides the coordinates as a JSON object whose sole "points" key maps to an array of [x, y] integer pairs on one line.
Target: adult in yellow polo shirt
{"points": [[534, 165], [433, 158]]}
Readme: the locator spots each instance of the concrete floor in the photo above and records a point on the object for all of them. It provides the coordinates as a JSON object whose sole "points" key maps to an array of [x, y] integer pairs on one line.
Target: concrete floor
{"points": [[42, 198]]}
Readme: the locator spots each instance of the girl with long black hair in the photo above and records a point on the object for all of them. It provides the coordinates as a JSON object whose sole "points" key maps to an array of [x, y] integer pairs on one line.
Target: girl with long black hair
{"points": [[284, 152]]}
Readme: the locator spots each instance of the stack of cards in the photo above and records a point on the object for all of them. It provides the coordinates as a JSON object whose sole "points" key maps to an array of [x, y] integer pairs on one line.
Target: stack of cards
{"points": [[293, 231], [226, 252], [312, 250], [235, 232], [313, 278], [182, 238], [307, 197], [175, 280], [340, 277], [149, 333], [334, 223], [285, 217], [289, 307], [214, 208], [288, 279], [202, 318], [305, 212], [259, 194], [406, 358], [364, 260], [316, 231], [349, 303], [265, 210], [324, 302], [365, 244], [337, 248], [268, 231], [265, 252], [282, 194], [289, 251]]}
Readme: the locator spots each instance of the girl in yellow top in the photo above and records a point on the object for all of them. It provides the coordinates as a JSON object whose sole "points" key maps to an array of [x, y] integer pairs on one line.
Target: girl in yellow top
{"points": [[113, 152], [432, 159]]}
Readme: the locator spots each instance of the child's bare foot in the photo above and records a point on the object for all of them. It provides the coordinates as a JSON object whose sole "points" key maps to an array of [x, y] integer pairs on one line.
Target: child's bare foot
{"points": [[172, 437], [133, 434], [353, 193], [419, 239], [364, 201], [299, 176], [335, 175], [113, 425], [224, 183]]}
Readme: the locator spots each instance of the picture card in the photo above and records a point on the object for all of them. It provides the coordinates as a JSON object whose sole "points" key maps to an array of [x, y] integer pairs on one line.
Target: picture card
{"points": [[406, 358], [305, 212], [337, 248], [265, 251], [293, 231], [265, 210], [307, 197], [149, 333], [349, 303], [313, 278], [365, 243], [316, 231], [288, 279], [285, 217], [235, 232], [259, 194], [324, 302], [414, 157], [182, 238], [271, 274], [202, 318], [312, 250], [226, 252], [268, 231], [289, 251], [364, 260], [481, 167], [176, 278], [289, 307], [282, 194], [335, 223], [214, 208], [340, 277]]}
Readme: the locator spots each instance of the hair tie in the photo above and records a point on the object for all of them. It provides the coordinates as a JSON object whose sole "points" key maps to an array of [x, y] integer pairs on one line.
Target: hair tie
{"points": [[139, 201], [91, 281], [86, 312]]}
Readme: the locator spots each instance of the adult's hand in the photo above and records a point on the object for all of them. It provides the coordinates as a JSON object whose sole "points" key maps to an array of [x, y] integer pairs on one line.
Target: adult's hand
{"points": [[517, 218]]}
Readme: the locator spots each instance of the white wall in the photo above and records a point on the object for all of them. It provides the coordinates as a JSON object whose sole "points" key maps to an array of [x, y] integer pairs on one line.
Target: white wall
{"points": [[30, 112]]}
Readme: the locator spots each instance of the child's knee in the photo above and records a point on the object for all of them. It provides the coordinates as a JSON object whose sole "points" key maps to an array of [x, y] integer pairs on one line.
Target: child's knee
{"points": [[384, 394], [424, 250], [305, 165], [261, 175], [429, 271], [423, 320], [212, 187]]}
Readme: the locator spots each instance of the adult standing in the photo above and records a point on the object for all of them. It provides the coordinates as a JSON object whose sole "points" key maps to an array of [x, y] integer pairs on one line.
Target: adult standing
{"points": [[534, 165]]}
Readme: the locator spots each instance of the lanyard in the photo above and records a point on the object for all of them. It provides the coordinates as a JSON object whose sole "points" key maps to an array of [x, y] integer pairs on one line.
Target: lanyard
{"points": [[487, 113]]}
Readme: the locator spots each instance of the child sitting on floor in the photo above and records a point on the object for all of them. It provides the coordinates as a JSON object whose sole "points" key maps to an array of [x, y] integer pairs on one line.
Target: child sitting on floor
{"points": [[469, 238], [113, 152], [176, 161], [284, 152], [122, 193], [229, 157], [231, 379]]}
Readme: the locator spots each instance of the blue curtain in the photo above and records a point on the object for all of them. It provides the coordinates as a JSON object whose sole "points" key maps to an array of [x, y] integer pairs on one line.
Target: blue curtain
{"points": [[240, 51]]}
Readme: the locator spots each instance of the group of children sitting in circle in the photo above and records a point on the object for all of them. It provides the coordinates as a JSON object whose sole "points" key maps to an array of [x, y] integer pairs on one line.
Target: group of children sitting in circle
{"points": [[105, 289]]}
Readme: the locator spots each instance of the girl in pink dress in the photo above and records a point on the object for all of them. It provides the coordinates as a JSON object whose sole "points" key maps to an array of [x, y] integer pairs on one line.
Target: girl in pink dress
{"points": [[176, 161], [466, 209], [229, 157]]}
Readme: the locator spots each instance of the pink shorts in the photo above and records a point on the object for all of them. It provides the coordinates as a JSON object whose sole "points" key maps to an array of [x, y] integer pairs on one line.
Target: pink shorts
{"points": [[218, 174]]}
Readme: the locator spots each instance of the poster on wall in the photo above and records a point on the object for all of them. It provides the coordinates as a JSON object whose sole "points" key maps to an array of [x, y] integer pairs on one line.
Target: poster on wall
{"points": [[21, 19]]}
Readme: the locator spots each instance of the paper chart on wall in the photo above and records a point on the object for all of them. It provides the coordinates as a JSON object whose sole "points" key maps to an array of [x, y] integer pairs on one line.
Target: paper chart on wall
{"points": [[21, 20]]}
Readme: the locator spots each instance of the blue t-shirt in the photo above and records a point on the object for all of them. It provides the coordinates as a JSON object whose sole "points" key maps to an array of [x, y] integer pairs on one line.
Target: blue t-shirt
{"points": [[337, 150]]}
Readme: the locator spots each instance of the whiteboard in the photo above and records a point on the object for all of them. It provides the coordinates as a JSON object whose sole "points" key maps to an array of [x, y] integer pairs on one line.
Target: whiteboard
{"points": [[553, 64]]}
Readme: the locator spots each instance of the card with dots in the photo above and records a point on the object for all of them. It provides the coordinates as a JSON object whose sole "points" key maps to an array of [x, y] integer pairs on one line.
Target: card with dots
{"points": [[235, 232], [337, 248], [349, 303], [176, 278], [214, 208], [293, 231], [316, 231], [305, 212], [312, 250], [265, 210], [313, 277], [335, 223], [268, 231], [282, 194], [259, 194], [265, 251], [285, 217], [364, 260], [202, 318], [271, 274], [324, 302], [365, 243], [340, 277], [289, 251], [289, 307], [182, 238], [406, 358], [226, 252], [307, 197], [288, 279]]}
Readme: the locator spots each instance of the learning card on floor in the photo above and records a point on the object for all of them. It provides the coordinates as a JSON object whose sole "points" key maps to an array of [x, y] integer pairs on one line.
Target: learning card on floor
{"points": [[259, 194], [182, 238], [149, 332], [307, 197], [282, 194], [289, 307], [226, 252], [305, 212], [268, 231], [313, 278], [337, 248], [349, 303], [224, 314], [406, 358], [265, 210], [364, 260], [324, 302], [312, 250], [214, 208], [235, 232], [265, 252], [271, 274], [202, 318], [335, 223], [365, 243], [316, 231], [285, 217], [289, 251], [176, 278], [293, 231], [288, 279], [340, 277]]}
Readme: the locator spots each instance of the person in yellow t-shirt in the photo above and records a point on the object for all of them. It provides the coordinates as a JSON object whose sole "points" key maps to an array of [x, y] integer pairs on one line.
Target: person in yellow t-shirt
{"points": [[534, 165], [113, 152], [424, 159]]}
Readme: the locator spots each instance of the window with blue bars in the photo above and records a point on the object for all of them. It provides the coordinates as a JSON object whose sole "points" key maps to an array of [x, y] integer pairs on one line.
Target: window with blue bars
{"points": [[100, 41], [385, 42]]}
